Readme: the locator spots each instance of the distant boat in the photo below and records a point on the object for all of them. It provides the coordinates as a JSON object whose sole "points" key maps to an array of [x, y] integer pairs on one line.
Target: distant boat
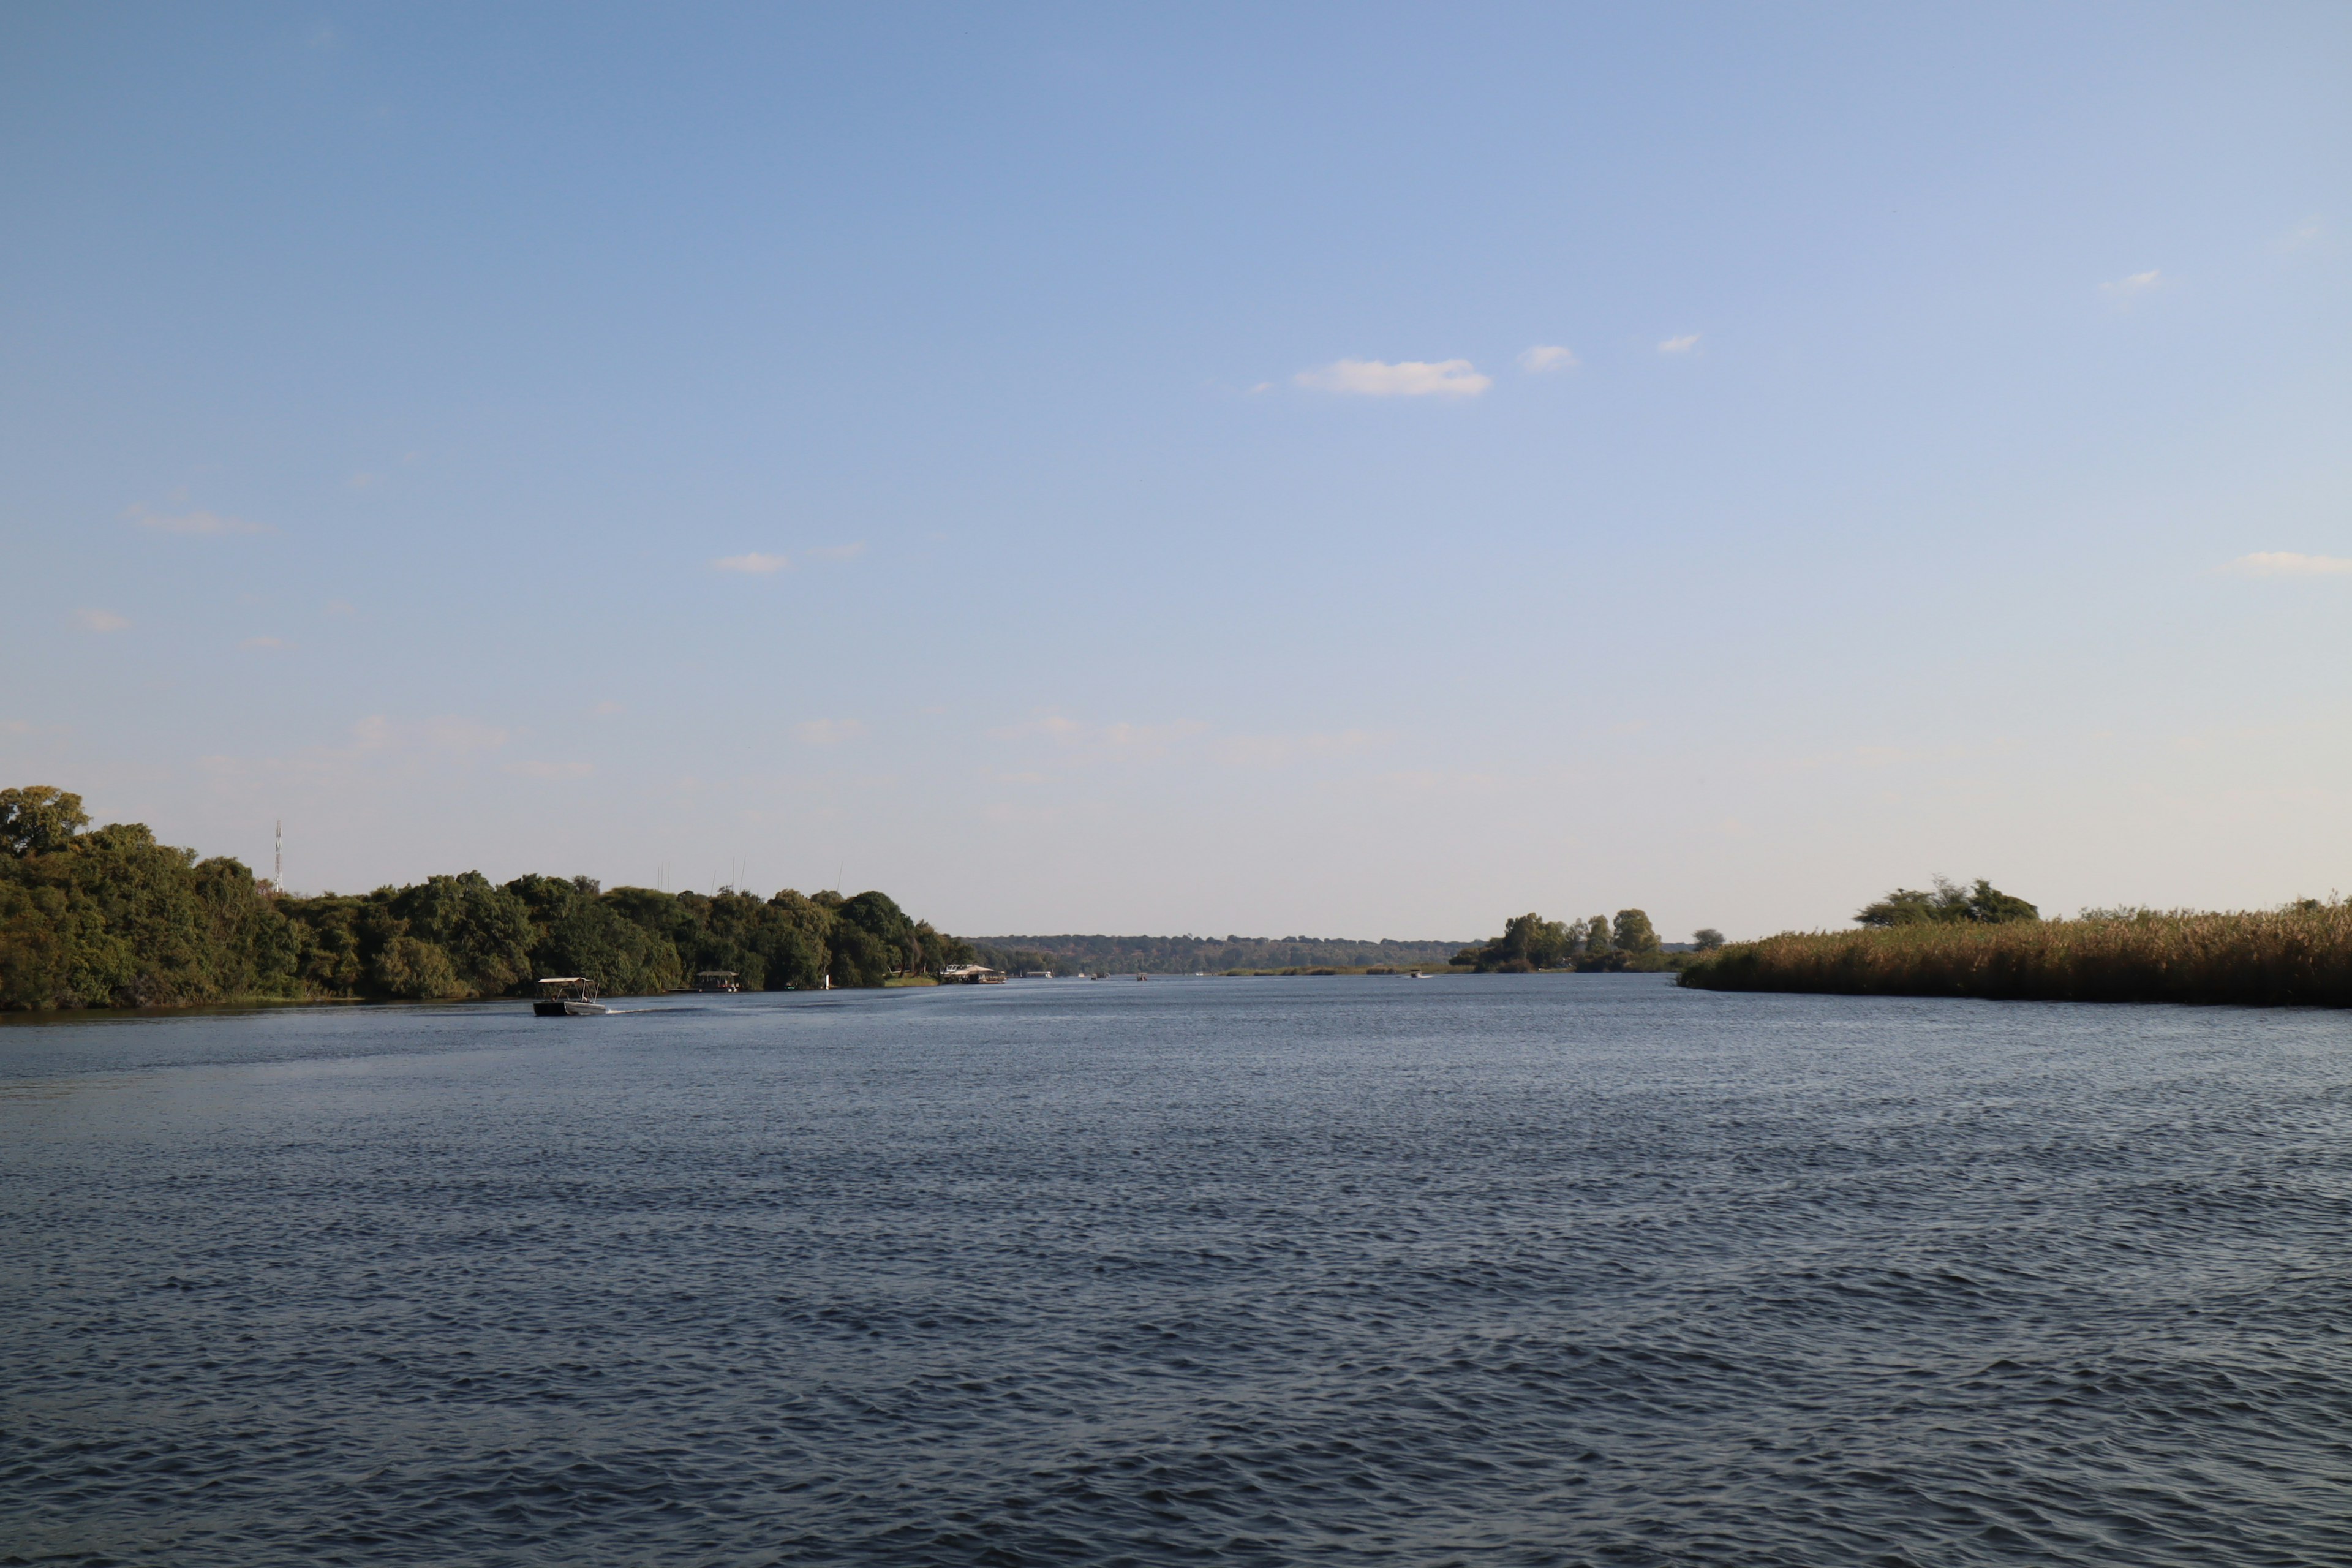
{"points": [[1143, 977], [568, 996]]}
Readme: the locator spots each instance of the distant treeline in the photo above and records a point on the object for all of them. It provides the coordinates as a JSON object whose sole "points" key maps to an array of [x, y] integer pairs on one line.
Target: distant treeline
{"points": [[1200, 954], [1596, 945], [1952, 940], [110, 918]]}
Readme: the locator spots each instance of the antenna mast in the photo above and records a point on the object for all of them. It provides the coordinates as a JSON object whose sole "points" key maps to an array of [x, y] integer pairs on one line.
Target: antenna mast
{"points": [[278, 871]]}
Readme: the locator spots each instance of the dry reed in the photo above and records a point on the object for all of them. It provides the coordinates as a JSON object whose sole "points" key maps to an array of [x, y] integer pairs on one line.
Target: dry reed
{"points": [[2300, 956]]}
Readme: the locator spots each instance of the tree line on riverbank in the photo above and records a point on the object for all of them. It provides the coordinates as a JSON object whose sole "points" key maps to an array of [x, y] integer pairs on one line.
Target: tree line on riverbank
{"points": [[1202, 954], [1596, 945], [1981, 943], [109, 917]]}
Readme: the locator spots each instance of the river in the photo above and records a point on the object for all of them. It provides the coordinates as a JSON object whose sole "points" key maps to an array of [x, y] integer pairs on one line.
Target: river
{"points": [[1499, 1270]]}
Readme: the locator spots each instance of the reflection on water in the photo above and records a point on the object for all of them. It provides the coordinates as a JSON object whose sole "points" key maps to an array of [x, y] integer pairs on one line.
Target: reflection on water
{"points": [[1507, 1269]]}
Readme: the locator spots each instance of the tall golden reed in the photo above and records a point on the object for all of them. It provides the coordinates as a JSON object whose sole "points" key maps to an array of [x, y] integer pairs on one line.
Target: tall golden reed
{"points": [[2296, 956]]}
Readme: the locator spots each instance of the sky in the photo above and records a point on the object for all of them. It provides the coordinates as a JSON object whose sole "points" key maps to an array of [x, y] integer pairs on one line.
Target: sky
{"points": [[1341, 470]]}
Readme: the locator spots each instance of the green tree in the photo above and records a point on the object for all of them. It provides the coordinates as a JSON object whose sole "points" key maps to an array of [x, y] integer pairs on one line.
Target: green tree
{"points": [[1707, 939], [484, 933], [1598, 951], [1636, 941], [896, 950], [39, 820], [1946, 904]]}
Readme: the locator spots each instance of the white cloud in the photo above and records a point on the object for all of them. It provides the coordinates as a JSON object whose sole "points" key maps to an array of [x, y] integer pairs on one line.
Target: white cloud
{"points": [[2125, 290], [1681, 345], [2303, 235], [1545, 356], [838, 553], [263, 644], [100, 620], [193, 522], [2288, 563], [753, 561], [1408, 378], [1261, 386], [606, 710], [828, 732], [536, 770]]}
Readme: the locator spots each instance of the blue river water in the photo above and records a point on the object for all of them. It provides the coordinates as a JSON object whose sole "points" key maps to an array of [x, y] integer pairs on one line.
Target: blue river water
{"points": [[1512, 1270]]}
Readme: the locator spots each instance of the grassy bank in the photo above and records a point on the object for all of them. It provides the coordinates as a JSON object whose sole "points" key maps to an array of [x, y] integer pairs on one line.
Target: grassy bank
{"points": [[2296, 956]]}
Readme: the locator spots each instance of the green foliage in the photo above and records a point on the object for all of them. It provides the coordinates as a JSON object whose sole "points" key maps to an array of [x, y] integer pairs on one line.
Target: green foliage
{"points": [[1637, 941], [1528, 943], [2300, 955], [1707, 939], [110, 918], [38, 819], [1946, 904]]}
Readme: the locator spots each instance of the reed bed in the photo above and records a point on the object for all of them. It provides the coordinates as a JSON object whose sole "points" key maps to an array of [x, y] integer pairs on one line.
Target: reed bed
{"points": [[2300, 956]]}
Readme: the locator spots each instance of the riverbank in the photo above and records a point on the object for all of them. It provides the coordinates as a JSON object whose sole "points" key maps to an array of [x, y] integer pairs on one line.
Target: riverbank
{"points": [[2299, 956]]}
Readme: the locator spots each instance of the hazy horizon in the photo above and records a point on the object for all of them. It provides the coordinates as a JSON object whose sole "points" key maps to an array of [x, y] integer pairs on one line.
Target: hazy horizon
{"points": [[1367, 471]]}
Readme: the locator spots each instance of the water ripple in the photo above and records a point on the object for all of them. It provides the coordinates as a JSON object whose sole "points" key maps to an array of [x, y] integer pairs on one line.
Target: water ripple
{"points": [[1508, 1270]]}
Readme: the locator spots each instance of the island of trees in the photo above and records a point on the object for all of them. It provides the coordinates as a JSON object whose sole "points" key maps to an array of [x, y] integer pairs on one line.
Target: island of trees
{"points": [[1531, 944], [109, 917], [1951, 940]]}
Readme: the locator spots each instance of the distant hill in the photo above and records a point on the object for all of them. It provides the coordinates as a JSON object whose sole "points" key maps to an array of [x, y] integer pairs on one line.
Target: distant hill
{"points": [[1201, 954]]}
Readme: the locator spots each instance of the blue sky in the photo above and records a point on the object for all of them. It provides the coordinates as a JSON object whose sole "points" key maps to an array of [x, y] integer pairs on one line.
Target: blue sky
{"points": [[1340, 469]]}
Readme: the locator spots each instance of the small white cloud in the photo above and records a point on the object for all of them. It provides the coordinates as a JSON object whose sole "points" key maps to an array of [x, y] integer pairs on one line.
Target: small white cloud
{"points": [[1409, 378], [2124, 290], [2288, 563], [838, 553], [828, 732], [100, 620], [1261, 387], [1682, 345], [365, 480], [606, 710], [753, 561], [373, 734], [199, 523], [2303, 235], [340, 608], [547, 770], [1545, 356], [263, 644]]}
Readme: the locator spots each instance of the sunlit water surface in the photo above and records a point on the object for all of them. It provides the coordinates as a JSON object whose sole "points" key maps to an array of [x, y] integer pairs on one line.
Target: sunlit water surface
{"points": [[1502, 1270]]}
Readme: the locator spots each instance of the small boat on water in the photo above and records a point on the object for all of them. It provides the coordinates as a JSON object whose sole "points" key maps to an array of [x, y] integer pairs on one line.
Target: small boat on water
{"points": [[568, 996]]}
